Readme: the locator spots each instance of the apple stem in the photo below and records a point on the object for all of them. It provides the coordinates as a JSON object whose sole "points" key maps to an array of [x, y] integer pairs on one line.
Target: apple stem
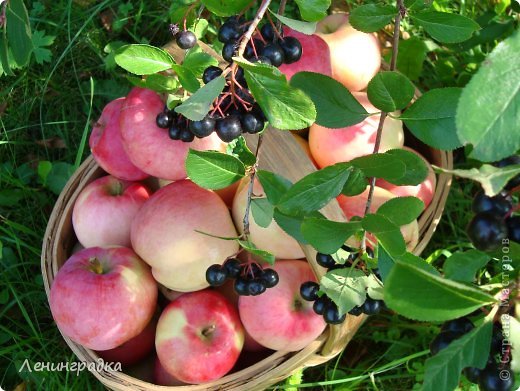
{"points": [[393, 62], [207, 331], [95, 266], [250, 189]]}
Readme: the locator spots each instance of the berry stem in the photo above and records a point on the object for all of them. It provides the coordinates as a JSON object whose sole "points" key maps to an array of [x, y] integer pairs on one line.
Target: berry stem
{"points": [[252, 27], [250, 189], [393, 62], [281, 11]]}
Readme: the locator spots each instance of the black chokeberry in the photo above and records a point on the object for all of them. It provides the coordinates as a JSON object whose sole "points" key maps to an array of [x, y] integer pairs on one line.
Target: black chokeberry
{"points": [[253, 49], [499, 205], [186, 39], [325, 260], [460, 325], [442, 340], [274, 52], [513, 228], [233, 267], [251, 123], [228, 51], [216, 275], [164, 120], [240, 77], [472, 374], [371, 306], [229, 128], [356, 311], [268, 32], [331, 314], [319, 304], [241, 286], [509, 161], [175, 132], [256, 287], [257, 111], [210, 73], [497, 339], [187, 136], [229, 31], [492, 378], [487, 231], [309, 290], [270, 277], [292, 49], [204, 127]]}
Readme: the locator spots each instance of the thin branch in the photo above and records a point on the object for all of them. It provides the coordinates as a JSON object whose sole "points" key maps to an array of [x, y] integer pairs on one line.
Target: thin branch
{"points": [[393, 62], [250, 189], [251, 30]]}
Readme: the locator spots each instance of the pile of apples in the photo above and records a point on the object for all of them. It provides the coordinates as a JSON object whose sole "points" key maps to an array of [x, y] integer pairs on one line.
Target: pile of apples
{"points": [[135, 285]]}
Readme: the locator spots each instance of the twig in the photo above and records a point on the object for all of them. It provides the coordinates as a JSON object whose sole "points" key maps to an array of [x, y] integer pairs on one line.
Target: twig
{"points": [[281, 11], [250, 189], [251, 30], [395, 50]]}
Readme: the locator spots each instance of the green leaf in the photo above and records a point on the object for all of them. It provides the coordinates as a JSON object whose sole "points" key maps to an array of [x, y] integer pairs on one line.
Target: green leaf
{"points": [[10, 197], [213, 170], [492, 179], [141, 59], [44, 169], [420, 295], [388, 234], [58, 176], [262, 211], [156, 82], [315, 190], [345, 287], [487, 117], [416, 170], [225, 7], [292, 224], [443, 371], [463, 266], [187, 78], [445, 27], [40, 41], [18, 31], [313, 10], [286, 107], [5, 68], [412, 53], [390, 91], [385, 262], [196, 107], [370, 18], [328, 236], [356, 183], [197, 61], [401, 210], [238, 148], [274, 185], [335, 106], [380, 165], [432, 118], [252, 249], [4, 295], [307, 28]]}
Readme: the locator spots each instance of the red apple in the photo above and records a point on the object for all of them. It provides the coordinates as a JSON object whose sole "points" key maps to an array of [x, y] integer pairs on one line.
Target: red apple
{"points": [[315, 55], [148, 146], [162, 377], [424, 191], [103, 297], [133, 350], [355, 56], [279, 318], [164, 234], [106, 145], [105, 209], [331, 146], [199, 337]]}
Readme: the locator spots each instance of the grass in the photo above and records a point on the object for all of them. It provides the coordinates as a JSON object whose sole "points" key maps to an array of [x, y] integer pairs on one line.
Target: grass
{"points": [[45, 114]]}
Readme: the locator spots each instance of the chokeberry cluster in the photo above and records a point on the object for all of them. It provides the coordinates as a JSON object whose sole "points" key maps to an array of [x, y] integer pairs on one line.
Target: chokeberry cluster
{"points": [[250, 278], [323, 305], [235, 111], [496, 376]]}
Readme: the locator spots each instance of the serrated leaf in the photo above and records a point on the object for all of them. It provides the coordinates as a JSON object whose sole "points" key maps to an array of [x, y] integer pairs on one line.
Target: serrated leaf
{"points": [[238, 148], [141, 59], [443, 371], [431, 118], [390, 91], [213, 170], [487, 117], [274, 185], [445, 27], [412, 53], [401, 210], [387, 233], [286, 107], [492, 179], [420, 295], [196, 107], [197, 61], [252, 249], [18, 30], [374, 288], [370, 18], [156, 82], [262, 211], [462, 266], [315, 190], [187, 78], [335, 105], [225, 7], [416, 170], [307, 28], [345, 287], [385, 262], [328, 236], [313, 10], [380, 165], [40, 41], [356, 183], [292, 224]]}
